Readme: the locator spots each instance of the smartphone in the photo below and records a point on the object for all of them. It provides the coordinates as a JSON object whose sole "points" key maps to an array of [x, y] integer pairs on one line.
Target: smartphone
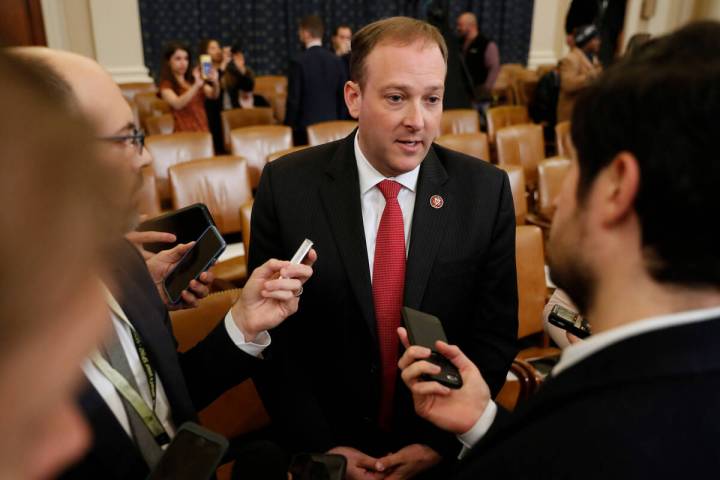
{"points": [[199, 258], [193, 454], [570, 321], [302, 251], [205, 66], [187, 224], [424, 330]]}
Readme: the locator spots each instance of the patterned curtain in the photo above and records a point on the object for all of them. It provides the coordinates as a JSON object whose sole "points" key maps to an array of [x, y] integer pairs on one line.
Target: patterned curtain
{"points": [[268, 28]]}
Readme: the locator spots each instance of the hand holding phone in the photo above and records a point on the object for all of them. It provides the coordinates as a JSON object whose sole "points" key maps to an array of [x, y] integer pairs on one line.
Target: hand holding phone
{"points": [[570, 321]]}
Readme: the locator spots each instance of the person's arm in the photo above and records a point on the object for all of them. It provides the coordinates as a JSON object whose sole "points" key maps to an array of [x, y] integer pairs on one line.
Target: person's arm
{"points": [[178, 102], [492, 63]]}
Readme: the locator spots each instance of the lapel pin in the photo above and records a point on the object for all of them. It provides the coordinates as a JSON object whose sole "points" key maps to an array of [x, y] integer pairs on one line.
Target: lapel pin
{"points": [[436, 201]]}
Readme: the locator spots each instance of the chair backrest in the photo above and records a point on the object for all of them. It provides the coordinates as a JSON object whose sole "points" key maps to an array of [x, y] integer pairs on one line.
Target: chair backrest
{"points": [[130, 89], [532, 290], [148, 199], [524, 89], [551, 174], [160, 107], [274, 89], [522, 145], [238, 410], [160, 125], [519, 193], [245, 215], [169, 150], [244, 117], [256, 143], [281, 153], [563, 140], [459, 120], [499, 117], [545, 68], [219, 182], [326, 132], [474, 144]]}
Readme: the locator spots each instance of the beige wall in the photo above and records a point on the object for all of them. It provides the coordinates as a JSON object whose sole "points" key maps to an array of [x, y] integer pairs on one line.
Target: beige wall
{"points": [[547, 42], [707, 9]]}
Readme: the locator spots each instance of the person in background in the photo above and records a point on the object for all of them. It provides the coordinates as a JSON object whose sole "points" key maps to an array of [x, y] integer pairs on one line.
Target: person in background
{"points": [[183, 87], [214, 105], [239, 81], [482, 57], [577, 69], [60, 211], [341, 45]]}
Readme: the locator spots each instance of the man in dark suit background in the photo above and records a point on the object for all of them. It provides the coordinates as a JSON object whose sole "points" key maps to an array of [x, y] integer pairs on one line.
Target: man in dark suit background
{"points": [[174, 386], [631, 244], [315, 82], [443, 242]]}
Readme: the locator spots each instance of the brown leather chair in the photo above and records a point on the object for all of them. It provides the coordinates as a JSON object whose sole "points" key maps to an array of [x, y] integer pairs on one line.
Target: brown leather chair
{"points": [[148, 200], [256, 143], [130, 89], [160, 107], [523, 380], [245, 216], [545, 68], [474, 144], [551, 175], [499, 117], [524, 87], [326, 132], [145, 102], [160, 125], [522, 145], [459, 120], [502, 90], [519, 193], [274, 89], [244, 117], [281, 153], [563, 140], [169, 150]]}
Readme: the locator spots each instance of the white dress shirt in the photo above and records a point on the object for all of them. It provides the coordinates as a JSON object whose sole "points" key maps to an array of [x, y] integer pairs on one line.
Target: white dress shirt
{"points": [[162, 406], [579, 351], [372, 200]]}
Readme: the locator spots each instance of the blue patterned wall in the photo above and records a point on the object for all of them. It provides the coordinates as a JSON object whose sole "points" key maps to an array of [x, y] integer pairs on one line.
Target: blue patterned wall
{"points": [[268, 28]]}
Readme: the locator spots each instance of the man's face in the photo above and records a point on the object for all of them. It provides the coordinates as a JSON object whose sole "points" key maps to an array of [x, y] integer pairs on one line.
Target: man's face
{"points": [[462, 26], [593, 46], [399, 106], [215, 52], [341, 41], [568, 251]]}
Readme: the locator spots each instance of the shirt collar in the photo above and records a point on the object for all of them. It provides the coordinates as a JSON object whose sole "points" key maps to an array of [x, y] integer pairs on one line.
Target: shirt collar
{"points": [[370, 177], [315, 42], [579, 351]]}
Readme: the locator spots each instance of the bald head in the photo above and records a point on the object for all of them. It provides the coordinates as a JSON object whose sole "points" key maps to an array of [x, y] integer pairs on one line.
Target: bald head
{"points": [[467, 25]]}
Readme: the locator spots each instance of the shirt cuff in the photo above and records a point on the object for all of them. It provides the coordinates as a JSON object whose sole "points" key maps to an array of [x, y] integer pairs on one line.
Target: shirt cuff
{"points": [[262, 340], [472, 436]]}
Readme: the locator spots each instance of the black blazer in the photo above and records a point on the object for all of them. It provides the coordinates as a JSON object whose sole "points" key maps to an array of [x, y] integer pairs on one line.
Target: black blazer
{"points": [[315, 88], [642, 408], [191, 380], [324, 386]]}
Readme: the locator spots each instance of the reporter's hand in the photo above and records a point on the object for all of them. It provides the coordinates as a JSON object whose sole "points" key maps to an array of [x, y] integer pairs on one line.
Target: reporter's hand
{"points": [[452, 410], [269, 295], [161, 264], [359, 465], [139, 238], [408, 462], [198, 77], [572, 339]]}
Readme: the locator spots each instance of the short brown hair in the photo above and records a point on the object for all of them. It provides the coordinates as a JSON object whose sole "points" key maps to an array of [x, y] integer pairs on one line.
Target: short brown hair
{"points": [[399, 30], [312, 24]]}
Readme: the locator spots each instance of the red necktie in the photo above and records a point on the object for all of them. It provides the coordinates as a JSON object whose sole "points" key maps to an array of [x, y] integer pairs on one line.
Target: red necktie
{"points": [[388, 286]]}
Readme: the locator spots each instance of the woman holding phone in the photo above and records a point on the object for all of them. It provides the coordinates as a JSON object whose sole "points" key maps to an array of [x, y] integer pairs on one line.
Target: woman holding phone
{"points": [[185, 89]]}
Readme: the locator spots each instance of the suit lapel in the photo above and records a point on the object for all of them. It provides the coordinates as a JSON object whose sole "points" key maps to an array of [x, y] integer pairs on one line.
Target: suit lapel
{"points": [[428, 226], [340, 193]]}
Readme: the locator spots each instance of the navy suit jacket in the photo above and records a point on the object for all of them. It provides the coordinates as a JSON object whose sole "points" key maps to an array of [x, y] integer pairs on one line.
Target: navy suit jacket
{"points": [[191, 380], [645, 407], [324, 384]]}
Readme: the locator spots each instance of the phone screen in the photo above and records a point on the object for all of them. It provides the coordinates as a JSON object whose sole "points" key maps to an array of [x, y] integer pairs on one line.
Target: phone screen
{"points": [[206, 64], [190, 456], [200, 257]]}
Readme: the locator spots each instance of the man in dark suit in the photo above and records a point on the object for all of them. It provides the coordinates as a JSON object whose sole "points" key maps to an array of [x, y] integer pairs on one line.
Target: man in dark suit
{"points": [[141, 347], [332, 385], [315, 82], [638, 398]]}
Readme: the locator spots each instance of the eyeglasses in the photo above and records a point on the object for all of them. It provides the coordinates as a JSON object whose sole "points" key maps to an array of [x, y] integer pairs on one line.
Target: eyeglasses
{"points": [[136, 138]]}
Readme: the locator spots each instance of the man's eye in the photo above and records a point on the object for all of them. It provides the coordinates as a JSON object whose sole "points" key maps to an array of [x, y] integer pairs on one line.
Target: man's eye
{"points": [[394, 98], [434, 99]]}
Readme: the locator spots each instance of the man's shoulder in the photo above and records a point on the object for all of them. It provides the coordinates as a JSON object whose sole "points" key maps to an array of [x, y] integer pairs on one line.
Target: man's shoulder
{"points": [[309, 162]]}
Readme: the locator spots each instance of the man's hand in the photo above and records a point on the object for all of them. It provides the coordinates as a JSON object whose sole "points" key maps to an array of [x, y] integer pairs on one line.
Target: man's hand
{"points": [[359, 465], [572, 339], [161, 264], [452, 410], [407, 462], [270, 295], [138, 238]]}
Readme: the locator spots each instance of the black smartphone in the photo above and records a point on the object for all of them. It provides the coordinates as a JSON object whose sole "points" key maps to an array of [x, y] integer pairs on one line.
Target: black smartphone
{"points": [[199, 258], [187, 224], [193, 454], [570, 321], [424, 330]]}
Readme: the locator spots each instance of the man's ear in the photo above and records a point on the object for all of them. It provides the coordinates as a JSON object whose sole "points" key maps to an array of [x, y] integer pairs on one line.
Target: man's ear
{"points": [[353, 98], [619, 186]]}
